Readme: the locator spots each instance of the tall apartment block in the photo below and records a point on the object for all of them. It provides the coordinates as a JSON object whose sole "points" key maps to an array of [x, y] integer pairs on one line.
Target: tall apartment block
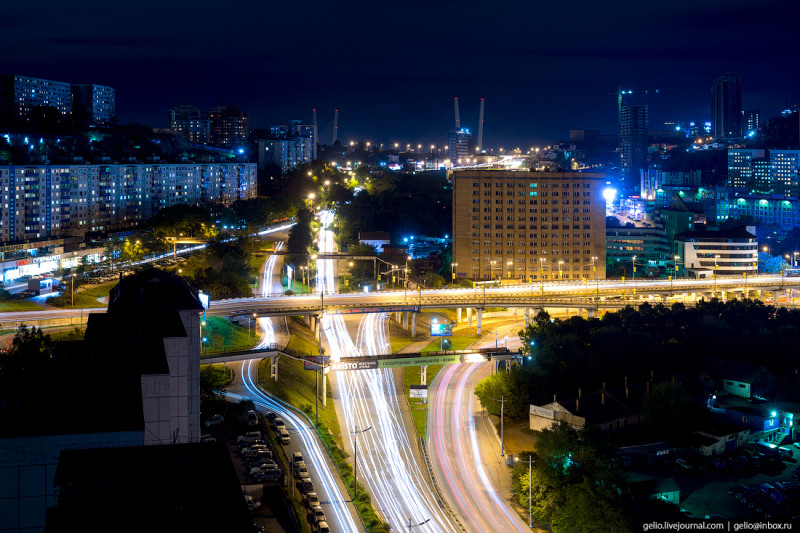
{"points": [[190, 124], [20, 95], [98, 100], [633, 138], [230, 126], [740, 167], [726, 106], [70, 200], [286, 153], [528, 225]]}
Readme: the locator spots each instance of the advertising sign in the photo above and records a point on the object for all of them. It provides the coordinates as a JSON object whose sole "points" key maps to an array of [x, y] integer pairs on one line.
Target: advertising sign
{"points": [[203, 297], [441, 329], [419, 361], [354, 365], [419, 391]]}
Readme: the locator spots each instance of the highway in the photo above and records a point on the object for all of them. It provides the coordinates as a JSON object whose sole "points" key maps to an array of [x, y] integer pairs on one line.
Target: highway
{"points": [[464, 449], [603, 293], [338, 510], [373, 418]]}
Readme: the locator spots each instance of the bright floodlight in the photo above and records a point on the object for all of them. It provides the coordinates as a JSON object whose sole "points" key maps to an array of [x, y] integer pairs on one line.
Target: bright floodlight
{"points": [[609, 194]]}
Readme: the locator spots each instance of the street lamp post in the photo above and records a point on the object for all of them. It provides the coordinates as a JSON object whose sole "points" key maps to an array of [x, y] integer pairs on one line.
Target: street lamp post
{"points": [[355, 460], [453, 273], [72, 290], [530, 462], [510, 265], [249, 341], [716, 268], [560, 274], [502, 401]]}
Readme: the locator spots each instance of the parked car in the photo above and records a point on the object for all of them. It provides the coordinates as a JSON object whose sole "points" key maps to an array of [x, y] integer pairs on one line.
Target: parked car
{"points": [[249, 435], [278, 424], [322, 527], [311, 500], [297, 457], [208, 438], [252, 418], [301, 472], [306, 486], [284, 437], [318, 514], [215, 420], [683, 464], [254, 448], [253, 505]]}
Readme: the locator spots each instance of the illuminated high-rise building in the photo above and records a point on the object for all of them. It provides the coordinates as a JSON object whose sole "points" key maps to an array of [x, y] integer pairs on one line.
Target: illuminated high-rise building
{"points": [[20, 95], [751, 119], [740, 167], [462, 147], [726, 106], [633, 138], [785, 171], [190, 124], [230, 126]]}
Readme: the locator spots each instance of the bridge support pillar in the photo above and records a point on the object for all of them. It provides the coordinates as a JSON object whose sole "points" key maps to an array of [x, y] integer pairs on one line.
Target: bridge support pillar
{"points": [[273, 367], [760, 294], [480, 320], [397, 316], [308, 320], [589, 312], [469, 317], [405, 319], [458, 315], [723, 295], [423, 375], [414, 324]]}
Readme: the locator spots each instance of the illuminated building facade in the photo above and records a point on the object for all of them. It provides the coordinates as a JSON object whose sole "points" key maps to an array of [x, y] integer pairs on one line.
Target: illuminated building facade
{"points": [[528, 225]]}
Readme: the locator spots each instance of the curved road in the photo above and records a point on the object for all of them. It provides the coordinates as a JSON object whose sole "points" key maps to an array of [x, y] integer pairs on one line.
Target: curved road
{"points": [[464, 448]]}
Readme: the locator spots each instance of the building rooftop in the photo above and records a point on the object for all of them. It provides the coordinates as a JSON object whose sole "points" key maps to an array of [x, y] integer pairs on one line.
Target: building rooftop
{"points": [[646, 487], [181, 487]]}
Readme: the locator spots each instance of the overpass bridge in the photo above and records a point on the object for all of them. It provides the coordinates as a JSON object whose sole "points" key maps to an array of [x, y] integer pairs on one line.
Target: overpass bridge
{"points": [[587, 297], [584, 297]]}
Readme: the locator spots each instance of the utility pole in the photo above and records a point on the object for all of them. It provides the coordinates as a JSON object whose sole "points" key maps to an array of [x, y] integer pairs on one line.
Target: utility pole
{"points": [[355, 460], [502, 401], [530, 492]]}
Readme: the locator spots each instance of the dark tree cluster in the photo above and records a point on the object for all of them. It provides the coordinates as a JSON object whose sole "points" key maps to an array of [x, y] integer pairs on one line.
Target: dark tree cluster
{"points": [[402, 204], [574, 485], [567, 355]]}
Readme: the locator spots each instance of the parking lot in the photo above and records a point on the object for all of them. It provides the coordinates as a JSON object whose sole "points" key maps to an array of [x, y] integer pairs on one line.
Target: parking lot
{"points": [[706, 492]]}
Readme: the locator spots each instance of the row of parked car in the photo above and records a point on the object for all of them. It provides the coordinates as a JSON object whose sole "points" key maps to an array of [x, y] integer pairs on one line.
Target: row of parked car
{"points": [[257, 458], [316, 514], [776, 499]]}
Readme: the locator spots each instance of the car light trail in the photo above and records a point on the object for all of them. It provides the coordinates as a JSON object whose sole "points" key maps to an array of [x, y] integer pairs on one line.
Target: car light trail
{"points": [[399, 488], [458, 455]]}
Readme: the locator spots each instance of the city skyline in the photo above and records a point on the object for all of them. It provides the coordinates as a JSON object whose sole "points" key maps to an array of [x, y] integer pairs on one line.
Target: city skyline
{"points": [[541, 71]]}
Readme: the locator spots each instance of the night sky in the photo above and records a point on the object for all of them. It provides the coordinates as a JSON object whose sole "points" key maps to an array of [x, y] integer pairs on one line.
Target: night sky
{"points": [[393, 68]]}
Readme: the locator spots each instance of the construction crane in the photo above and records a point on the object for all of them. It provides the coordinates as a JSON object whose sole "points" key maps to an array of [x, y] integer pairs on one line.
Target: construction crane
{"points": [[621, 95]]}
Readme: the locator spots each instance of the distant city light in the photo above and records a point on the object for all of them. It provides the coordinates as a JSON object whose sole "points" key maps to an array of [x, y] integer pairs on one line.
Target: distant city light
{"points": [[609, 194]]}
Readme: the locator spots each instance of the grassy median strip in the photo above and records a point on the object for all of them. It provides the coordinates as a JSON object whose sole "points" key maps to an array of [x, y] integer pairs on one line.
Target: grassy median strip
{"points": [[222, 335], [11, 306]]}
